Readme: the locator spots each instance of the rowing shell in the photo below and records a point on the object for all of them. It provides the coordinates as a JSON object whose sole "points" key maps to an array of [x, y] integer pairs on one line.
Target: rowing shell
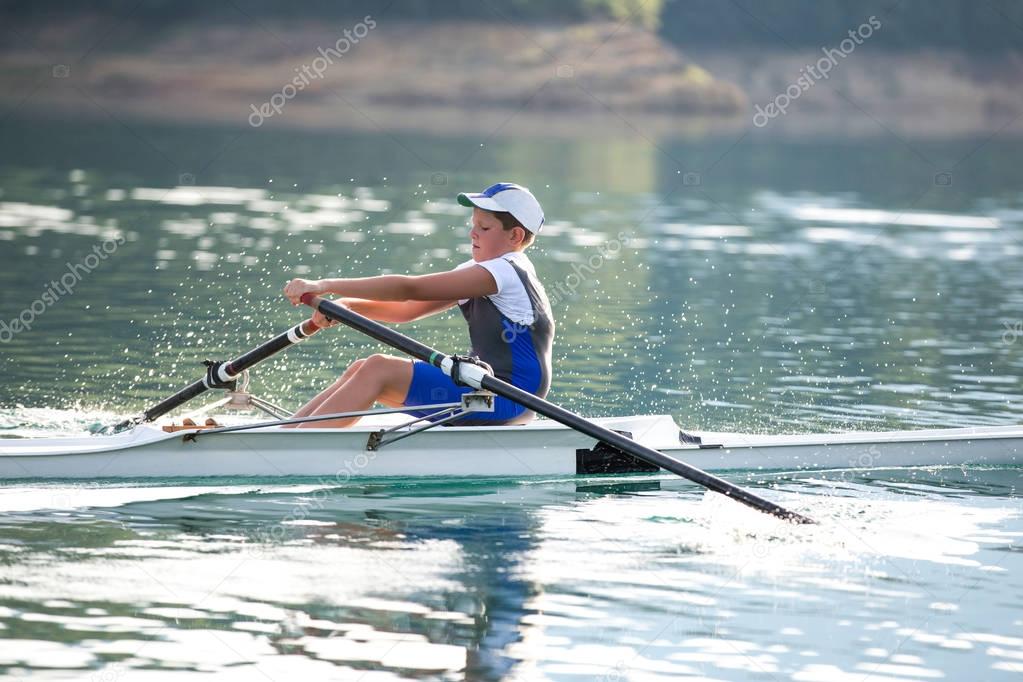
{"points": [[541, 448]]}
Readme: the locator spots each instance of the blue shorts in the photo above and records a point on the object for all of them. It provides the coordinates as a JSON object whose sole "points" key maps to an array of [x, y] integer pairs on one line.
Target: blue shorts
{"points": [[430, 386]]}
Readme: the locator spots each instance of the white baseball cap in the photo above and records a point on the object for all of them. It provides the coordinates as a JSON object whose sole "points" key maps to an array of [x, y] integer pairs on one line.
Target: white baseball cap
{"points": [[510, 198]]}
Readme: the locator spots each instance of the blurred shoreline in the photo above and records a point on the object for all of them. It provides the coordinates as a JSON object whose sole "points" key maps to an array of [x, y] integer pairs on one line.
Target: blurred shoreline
{"points": [[448, 78], [928, 92]]}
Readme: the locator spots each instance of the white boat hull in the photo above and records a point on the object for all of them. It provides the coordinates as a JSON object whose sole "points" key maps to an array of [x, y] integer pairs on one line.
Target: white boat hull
{"points": [[542, 448]]}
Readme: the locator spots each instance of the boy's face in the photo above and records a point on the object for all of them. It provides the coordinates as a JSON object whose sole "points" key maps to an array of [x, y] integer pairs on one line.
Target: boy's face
{"points": [[489, 238]]}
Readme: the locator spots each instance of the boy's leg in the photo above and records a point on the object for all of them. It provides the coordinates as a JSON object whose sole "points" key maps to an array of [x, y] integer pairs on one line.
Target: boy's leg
{"points": [[379, 378], [308, 408]]}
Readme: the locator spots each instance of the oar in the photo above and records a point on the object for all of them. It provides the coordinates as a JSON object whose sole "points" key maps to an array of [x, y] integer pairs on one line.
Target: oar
{"points": [[221, 374], [477, 377]]}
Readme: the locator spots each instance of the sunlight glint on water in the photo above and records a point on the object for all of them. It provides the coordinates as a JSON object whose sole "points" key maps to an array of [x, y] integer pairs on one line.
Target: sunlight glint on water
{"points": [[796, 300]]}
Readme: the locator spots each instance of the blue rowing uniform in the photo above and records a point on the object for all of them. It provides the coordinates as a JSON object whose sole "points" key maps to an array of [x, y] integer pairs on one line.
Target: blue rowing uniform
{"points": [[512, 331]]}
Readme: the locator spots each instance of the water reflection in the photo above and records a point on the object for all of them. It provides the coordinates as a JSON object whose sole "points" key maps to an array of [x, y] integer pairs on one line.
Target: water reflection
{"points": [[357, 589], [488, 580]]}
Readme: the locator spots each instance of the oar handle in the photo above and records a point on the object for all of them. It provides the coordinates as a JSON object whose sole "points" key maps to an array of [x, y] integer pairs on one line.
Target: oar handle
{"points": [[480, 379], [334, 311]]}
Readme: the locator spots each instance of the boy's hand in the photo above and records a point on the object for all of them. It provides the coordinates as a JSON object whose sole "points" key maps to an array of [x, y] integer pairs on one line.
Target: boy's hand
{"points": [[322, 321], [294, 289]]}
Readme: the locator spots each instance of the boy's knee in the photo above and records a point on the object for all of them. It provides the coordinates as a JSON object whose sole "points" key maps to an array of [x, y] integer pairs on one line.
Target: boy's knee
{"points": [[376, 361], [349, 372]]}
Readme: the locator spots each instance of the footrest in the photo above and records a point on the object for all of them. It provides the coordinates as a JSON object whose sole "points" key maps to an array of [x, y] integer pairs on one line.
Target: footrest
{"points": [[189, 425]]}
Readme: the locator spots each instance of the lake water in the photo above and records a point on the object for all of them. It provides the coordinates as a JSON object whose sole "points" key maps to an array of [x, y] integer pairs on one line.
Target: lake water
{"points": [[756, 284]]}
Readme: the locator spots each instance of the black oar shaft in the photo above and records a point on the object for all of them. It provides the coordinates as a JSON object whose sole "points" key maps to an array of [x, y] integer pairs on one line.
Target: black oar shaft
{"points": [[675, 466], [193, 390], [234, 368], [275, 345], [418, 350]]}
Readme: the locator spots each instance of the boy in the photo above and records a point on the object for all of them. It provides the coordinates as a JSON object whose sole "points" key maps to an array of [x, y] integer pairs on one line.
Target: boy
{"points": [[503, 302]]}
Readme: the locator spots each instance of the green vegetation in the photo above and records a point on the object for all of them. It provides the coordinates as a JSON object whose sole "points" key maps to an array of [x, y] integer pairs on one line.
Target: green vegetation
{"points": [[986, 26], [158, 13]]}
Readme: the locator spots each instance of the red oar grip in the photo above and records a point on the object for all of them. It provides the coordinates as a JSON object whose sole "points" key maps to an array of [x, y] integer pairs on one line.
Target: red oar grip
{"points": [[310, 299]]}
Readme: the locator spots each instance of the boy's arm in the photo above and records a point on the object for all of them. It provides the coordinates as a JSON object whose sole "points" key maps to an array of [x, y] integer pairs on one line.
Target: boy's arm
{"points": [[396, 311], [470, 282]]}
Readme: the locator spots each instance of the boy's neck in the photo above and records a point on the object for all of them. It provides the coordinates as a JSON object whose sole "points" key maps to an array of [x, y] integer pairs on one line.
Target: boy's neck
{"points": [[505, 253]]}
